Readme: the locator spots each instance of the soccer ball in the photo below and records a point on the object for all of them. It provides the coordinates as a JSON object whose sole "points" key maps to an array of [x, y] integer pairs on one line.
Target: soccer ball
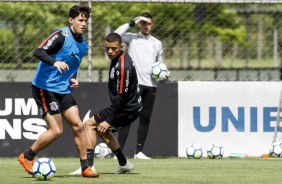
{"points": [[103, 151], [159, 70], [194, 151], [215, 151], [44, 169], [275, 149]]}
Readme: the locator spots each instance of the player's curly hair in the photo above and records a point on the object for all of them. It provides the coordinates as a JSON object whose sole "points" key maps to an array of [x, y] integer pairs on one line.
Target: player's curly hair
{"points": [[77, 10]]}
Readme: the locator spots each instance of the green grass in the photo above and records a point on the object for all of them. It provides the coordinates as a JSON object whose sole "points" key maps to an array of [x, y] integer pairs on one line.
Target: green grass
{"points": [[157, 171]]}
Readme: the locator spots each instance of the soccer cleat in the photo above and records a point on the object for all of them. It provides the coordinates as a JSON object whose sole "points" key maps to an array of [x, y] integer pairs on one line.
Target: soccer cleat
{"points": [[141, 155], [127, 168], [115, 157], [26, 164], [78, 171], [89, 173]]}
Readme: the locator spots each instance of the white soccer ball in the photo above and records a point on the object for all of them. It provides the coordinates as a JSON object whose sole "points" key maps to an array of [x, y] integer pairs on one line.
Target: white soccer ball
{"points": [[215, 150], [44, 169], [103, 151], [159, 70], [194, 151], [275, 149]]}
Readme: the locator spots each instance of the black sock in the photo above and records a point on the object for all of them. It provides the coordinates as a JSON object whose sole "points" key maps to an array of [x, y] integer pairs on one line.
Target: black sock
{"points": [[120, 156], [90, 157], [83, 164], [29, 154], [139, 148]]}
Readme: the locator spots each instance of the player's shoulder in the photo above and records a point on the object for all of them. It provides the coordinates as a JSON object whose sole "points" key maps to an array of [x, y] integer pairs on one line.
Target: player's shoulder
{"points": [[55, 31], [62, 32], [153, 38], [127, 59], [131, 34]]}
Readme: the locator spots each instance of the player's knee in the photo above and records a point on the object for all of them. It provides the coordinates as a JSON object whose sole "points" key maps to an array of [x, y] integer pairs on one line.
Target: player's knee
{"points": [[88, 124], [78, 127], [57, 132]]}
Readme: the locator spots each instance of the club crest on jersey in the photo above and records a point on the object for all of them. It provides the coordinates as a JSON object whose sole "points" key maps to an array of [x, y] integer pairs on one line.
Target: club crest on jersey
{"points": [[66, 33], [54, 106]]}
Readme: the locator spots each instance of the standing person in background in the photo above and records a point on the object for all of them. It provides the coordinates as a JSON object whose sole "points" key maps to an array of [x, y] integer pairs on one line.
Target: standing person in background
{"points": [[60, 56], [145, 50]]}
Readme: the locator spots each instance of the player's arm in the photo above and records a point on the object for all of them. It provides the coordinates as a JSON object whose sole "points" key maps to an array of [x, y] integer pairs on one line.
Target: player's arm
{"points": [[50, 46], [74, 82], [160, 53], [123, 28], [160, 59]]}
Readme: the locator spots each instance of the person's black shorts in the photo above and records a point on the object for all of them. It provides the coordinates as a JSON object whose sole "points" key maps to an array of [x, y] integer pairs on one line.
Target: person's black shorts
{"points": [[51, 102], [121, 120]]}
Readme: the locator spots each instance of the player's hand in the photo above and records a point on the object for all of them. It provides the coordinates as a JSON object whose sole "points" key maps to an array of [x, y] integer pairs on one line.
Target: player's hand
{"points": [[61, 66], [103, 127], [139, 18], [74, 83], [165, 77]]}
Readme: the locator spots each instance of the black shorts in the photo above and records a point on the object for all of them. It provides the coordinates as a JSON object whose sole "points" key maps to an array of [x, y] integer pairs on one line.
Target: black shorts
{"points": [[121, 120], [51, 102]]}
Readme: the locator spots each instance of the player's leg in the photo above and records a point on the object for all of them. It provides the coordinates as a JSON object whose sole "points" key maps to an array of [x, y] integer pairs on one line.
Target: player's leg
{"points": [[55, 129], [120, 121], [91, 143], [71, 115], [91, 138], [122, 136], [148, 95], [54, 122], [124, 165]]}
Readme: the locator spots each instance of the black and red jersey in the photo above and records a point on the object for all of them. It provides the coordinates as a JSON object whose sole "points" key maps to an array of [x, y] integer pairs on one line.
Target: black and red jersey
{"points": [[123, 86]]}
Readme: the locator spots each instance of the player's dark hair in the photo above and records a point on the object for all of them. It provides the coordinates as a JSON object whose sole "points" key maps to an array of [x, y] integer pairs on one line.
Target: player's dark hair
{"points": [[75, 11], [147, 15], [113, 37]]}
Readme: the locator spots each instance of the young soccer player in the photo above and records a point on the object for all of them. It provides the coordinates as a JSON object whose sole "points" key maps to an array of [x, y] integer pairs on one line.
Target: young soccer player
{"points": [[60, 56], [125, 105]]}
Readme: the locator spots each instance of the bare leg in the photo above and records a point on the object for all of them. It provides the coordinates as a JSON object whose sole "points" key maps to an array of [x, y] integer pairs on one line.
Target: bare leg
{"points": [[71, 115], [110, 140], [91, 134], [55, 130]]}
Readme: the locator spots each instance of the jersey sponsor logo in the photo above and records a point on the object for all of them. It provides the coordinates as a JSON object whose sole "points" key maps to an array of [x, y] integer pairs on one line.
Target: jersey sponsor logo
{"points": [[112, 74], [126, 81], [54, 106], [50, 41]]}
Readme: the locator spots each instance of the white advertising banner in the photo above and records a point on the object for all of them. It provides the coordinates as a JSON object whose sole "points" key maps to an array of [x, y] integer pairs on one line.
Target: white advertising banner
{"points": [[241, 116]]}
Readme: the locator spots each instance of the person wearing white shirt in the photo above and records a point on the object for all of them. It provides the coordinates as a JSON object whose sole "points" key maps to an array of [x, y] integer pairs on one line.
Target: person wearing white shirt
{"points": [[144, 50]]}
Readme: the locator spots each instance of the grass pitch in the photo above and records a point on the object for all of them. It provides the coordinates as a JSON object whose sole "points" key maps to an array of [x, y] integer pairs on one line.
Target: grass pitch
{"points": [[156, 171]]}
